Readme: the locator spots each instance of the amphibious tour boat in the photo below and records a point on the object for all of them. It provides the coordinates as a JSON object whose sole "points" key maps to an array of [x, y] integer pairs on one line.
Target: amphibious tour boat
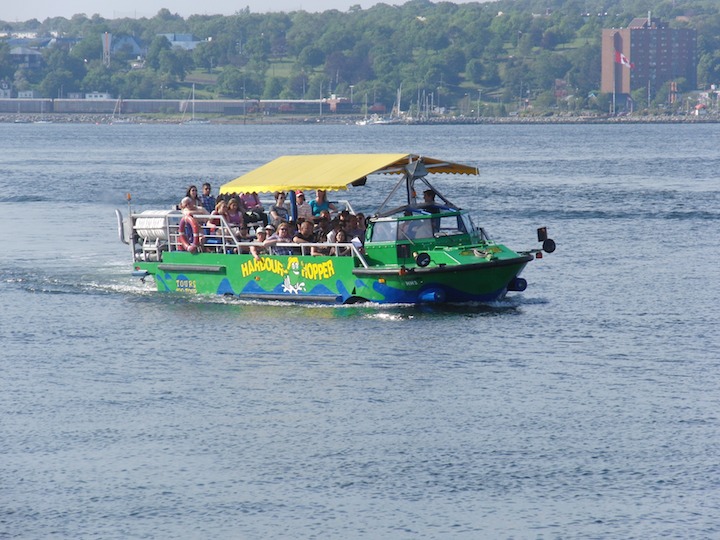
{"points": [[414, 250]]}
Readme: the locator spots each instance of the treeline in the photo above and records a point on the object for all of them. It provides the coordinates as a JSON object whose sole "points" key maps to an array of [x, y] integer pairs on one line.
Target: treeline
{"points": [[490, 54]]}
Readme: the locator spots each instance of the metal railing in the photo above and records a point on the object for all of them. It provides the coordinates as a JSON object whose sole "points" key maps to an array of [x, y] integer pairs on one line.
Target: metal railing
{"points": [[218, 237]]}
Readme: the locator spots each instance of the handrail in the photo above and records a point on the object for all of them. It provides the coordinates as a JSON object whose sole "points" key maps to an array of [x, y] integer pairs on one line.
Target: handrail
{"points": [[226, 240]]}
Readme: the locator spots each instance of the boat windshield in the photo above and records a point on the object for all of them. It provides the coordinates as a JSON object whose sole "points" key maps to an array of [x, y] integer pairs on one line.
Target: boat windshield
{"points": [[423, 228]]}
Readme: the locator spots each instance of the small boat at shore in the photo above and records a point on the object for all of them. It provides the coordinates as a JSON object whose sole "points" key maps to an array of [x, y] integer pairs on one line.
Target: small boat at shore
{"points": [[413, 251]]}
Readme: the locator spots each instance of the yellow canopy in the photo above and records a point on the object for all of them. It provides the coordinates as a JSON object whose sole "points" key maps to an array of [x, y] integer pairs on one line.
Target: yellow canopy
{"points": [[331, 172]]}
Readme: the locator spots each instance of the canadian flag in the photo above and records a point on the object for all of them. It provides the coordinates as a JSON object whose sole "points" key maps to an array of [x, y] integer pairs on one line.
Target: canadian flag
{"points": [[620, 58]]}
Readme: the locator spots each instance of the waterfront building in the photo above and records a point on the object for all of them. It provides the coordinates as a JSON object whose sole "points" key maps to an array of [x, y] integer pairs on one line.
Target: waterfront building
{"points": [[646, 55]]}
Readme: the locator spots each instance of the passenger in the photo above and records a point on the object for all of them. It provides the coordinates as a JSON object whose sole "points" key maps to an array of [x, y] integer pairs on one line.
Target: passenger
{"points": [[432, 207], [281, 236], [416, 229], [305, 234], [234, 217], [206, 199], [320, 232], [192, 192], [361, 224], [319, 248], [340, 238], [189, 236], [188, 206], [255, 250], [322, 228], [220, 210], [244, 236], [251, 201], [321, 203], [278, 211], [353, 229], [303, 208], [335, 225]]}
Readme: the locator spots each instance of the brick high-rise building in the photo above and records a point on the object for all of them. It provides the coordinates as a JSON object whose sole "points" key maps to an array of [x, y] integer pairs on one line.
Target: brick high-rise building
{"points": [[656, 53]]}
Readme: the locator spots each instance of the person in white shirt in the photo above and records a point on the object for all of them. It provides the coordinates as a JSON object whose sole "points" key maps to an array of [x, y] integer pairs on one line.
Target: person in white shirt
{"points": [[303, 208]]}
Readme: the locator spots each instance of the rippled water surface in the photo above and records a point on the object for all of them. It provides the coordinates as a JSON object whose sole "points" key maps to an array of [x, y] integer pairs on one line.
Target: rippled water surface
{"points": [[585, 407]]}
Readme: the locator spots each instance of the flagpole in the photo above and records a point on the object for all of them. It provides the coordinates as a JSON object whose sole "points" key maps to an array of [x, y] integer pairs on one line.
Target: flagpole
{"points": [[614, 84], [614, 70]]}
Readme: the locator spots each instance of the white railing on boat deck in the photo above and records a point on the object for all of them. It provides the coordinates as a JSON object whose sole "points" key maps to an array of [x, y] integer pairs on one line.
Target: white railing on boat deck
{"points": [[155, 233]]}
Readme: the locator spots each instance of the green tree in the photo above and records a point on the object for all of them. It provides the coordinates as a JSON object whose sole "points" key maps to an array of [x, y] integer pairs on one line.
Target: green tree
{"points": [[209, 54], [546, 68], [584, 71], [137, 84], [57, 83], [159, 45], [709, 69], [311, 56], [174, 62], [475, 71], [97, 79], [236, 83], [60, 59], [7, 68], [273, 87], [89, 48]]}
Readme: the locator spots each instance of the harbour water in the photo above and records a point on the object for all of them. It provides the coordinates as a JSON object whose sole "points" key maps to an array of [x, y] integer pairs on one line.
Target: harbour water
{"points": [[585, 407]]}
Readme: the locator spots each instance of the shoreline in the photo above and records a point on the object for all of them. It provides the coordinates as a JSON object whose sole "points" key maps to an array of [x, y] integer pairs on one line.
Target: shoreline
{"points": [[75, 118]]}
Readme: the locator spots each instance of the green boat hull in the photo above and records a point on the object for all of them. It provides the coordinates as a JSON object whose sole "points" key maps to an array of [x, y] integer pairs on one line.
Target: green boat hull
{"points": [[335, 280]]}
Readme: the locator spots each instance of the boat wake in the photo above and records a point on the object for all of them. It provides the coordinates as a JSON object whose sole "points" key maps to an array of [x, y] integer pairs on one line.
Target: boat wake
{"points": [[73, 284]]}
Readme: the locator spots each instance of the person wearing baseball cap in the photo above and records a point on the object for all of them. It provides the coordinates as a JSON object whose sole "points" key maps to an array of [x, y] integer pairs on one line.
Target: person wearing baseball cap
{"points": [[303, 208], [260, 236]]}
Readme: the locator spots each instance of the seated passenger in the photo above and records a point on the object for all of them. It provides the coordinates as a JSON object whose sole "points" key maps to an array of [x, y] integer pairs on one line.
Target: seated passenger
{"points": [[415, 229], [234, 217], [189, 206], [322, 228], [335, 225], [340, 238], [320, 250], [256, 251], [278, 211], [189, 236], [220, 210], [361, 226], [192, 192], [251, 201], [305, 234], [206, 198], [303, 208], [244, 236], [253, 208], [353, 229], [321, 203], [280, 237], [213, 227]]}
